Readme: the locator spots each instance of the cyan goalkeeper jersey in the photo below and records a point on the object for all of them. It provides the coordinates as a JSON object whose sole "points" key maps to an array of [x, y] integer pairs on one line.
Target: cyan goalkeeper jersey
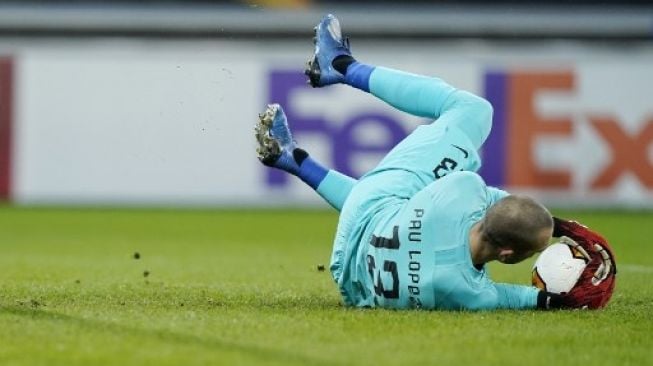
{"points": [[403, 233], [414, 252]]}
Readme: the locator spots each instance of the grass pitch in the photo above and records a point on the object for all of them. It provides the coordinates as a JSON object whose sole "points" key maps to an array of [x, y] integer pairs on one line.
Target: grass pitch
{"points": [[243, 287]]}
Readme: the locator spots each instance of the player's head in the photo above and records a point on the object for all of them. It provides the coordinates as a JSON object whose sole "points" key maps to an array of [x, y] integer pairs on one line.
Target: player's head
{"points": [[516, 227]]}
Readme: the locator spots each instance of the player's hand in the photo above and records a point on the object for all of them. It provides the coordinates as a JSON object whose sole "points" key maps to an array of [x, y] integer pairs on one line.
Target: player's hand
{"points": [[596, 284]]}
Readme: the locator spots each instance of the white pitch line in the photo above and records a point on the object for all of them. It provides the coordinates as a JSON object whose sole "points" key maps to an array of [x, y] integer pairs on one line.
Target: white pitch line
{"points": [[640, 268]]}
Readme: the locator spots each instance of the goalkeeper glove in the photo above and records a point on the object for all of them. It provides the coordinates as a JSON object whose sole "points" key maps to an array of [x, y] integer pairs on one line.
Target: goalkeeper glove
{"points": [[596, 283]]}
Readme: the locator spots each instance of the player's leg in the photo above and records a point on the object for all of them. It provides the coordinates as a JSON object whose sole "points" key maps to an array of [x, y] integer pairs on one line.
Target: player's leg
{"points": [[433, 98], [415, 94], [278, 149]]}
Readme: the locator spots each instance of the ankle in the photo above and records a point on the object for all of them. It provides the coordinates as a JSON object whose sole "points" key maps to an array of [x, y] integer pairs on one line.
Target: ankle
{"points": [[358, 75], [342, 62], [310, 171]]}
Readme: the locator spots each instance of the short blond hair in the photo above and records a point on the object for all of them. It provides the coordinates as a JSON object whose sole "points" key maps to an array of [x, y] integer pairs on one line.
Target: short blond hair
{"points": [[516, 222]]}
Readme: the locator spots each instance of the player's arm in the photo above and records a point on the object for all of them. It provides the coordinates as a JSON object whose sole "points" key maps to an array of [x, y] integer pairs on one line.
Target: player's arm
{"points": [[509, 296], [471, 292], [529, 297], [494, 296]]}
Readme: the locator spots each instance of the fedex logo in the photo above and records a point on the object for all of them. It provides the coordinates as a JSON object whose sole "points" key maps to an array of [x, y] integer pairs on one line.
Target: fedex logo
{"points": [[341, 137], [517, 126], [510, 151]]}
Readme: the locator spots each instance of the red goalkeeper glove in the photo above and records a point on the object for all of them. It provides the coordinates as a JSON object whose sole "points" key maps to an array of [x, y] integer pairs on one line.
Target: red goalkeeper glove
{"points": [[596, 284]]}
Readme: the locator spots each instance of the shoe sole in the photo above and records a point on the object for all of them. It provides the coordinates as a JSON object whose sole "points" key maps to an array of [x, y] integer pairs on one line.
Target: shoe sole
{"points": [[268, 149], [313, 67]]}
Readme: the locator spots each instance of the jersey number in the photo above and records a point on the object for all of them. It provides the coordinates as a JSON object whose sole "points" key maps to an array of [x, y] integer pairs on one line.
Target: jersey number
{"points": [[388, 266], [447, 165]]}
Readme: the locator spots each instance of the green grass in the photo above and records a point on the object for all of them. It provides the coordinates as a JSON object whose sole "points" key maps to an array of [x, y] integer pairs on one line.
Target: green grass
{"points": [[242, 287]]}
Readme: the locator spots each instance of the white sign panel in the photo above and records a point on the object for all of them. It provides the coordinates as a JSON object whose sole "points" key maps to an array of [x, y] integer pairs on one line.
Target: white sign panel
{"points": [[172, 122]]}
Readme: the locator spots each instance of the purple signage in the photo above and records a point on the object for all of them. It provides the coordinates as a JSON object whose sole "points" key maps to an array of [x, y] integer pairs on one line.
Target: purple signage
{"points": [[344, 143]]}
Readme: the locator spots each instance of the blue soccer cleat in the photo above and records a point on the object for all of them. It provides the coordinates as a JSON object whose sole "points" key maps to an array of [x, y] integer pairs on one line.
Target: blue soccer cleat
{"points": [[275, 143], [329, 44]]}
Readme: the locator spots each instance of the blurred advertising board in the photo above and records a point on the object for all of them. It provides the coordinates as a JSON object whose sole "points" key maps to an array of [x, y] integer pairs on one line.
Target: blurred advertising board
{"points": [[171, 123]]}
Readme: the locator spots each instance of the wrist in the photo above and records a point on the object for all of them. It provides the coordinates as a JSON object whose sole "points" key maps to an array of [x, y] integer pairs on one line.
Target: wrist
{"points": [[548, 301]]}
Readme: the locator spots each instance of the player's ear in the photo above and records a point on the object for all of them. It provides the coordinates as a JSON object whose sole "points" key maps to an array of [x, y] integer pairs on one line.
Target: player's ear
{"points": [[504, 254]]}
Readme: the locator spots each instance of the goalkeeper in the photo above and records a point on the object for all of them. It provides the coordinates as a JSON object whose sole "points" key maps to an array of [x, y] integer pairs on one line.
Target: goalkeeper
{"points": [[417, 231]]}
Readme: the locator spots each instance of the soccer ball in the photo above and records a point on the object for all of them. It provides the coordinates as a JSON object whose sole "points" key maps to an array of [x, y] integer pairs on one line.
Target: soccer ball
{"points": [[558, 268]]}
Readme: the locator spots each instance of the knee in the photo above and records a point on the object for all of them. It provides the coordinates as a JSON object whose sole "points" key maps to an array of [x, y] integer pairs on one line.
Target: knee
{"points": [[480, 108], [485, 117], [484, 109], [478, 120]]}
